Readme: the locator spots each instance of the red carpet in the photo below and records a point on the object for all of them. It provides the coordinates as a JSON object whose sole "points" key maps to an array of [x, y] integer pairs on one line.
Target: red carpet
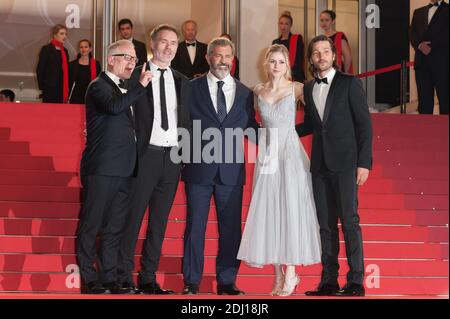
{"points": [[404, 209]]}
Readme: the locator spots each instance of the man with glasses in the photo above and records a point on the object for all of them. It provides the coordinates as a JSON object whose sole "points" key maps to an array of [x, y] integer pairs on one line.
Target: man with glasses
{"points": [[159, 115], [107, 166]]}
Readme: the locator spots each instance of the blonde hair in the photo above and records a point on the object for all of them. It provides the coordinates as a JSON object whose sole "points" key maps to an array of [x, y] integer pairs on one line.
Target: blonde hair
{"points": [[57, 28], [278, 48], [287, 15]]}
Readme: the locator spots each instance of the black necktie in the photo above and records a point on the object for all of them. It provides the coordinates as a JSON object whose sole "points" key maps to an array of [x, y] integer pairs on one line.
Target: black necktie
{"points": [[190, 44], [123, 84], [221, 102], [162, 97], [433, 5], [324, 80]]}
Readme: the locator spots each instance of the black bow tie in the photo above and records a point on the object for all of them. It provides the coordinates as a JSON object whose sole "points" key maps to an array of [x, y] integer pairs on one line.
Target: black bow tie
{"points": [[433, 5], [123, 84], [190, 44], [324, 80]]}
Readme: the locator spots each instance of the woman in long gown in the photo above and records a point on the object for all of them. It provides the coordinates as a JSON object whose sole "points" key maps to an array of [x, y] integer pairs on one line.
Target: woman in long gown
{"points": [[282, 228]]}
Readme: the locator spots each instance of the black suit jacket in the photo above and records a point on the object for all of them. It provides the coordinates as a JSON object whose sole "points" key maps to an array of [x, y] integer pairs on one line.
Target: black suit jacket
{"points": [[49, 69], [111, 144], [182, 61], [343, 140], [436, 32], [141, 51], [145, 109]]}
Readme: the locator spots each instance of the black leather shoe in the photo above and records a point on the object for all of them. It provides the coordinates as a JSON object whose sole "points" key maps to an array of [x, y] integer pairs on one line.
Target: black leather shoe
{"points": [[128, 288], [326, 290], [352, 290], [94, 288], [231, 290], [154, 289], [113, 287], [190, 289]]}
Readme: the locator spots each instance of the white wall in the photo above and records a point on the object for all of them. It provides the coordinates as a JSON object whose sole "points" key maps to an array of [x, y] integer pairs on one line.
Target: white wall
{"points": [[208, 15], [259, 27]]}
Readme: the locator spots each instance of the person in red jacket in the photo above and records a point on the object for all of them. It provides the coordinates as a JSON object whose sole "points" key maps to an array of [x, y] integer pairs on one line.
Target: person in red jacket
{"points": [[343, 51], [295, 44], [53, 68]]}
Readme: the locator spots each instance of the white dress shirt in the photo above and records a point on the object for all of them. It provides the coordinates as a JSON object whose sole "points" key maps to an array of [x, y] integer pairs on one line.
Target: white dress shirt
{"points": [[432, 11], [320, 92], [116, 80], [229, 89], [192, 50], [160, 137]]}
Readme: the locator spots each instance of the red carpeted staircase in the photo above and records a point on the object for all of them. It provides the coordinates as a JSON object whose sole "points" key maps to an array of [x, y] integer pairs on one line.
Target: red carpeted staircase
{"points": [[404, 209]]}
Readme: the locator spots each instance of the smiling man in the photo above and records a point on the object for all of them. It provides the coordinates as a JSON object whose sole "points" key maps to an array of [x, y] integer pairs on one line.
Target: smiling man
{"points": [[337, 114], [220, 103], [159, 114], [107, 167]]}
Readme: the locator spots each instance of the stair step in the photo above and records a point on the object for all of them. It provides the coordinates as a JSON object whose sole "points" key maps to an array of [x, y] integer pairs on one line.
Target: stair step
{"points": [[35, 178], [368, 216], [374, 185], [63, 283], [385, 186], [26, 162], [410, 144], [49, 136], [54, 227], [39, 194], [173, 265], [66, 245], [13, 148], [39, 209], [5, 133], [380, 201], [412, 158]]}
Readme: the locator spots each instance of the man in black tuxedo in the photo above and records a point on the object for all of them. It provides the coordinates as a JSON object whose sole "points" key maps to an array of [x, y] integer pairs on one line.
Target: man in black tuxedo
{"points": [[126, 32], [429, 37], [220, 104], [108, 163], [159, 115], [337, 115], [191, 55]]}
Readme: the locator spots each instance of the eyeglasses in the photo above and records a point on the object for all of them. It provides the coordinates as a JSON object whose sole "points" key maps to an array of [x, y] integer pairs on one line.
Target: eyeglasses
{"points": [[127, 57]]}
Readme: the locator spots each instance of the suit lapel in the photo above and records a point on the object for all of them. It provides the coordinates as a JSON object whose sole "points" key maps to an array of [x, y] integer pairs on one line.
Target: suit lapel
{"points": [[119, 92], [309, 91], [178, 82], [197, 54], [436, 15], [185, 53], [330, 97]]}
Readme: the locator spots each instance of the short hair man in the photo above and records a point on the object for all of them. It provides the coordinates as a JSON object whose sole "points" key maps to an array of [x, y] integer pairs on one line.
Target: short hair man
{"points": [[190, 59], [126, 32], [7, 96]]}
